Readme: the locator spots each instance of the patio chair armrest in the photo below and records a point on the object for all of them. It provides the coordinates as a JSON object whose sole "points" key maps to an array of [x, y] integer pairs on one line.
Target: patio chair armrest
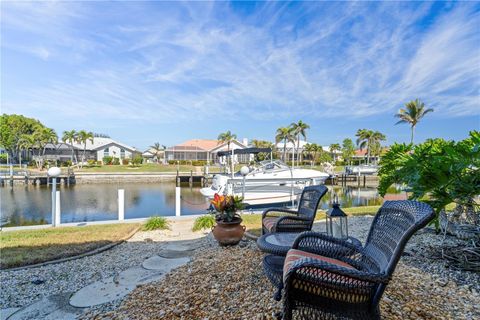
{"points": [[281, 210], [321, 272], [322, 244], [292, 224]]}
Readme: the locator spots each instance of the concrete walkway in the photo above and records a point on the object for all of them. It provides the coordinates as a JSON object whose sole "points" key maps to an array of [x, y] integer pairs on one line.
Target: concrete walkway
{"points": [[177, 247]]}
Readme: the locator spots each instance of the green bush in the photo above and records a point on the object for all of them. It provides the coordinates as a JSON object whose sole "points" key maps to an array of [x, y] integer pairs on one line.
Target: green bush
{"points": [[91, 163], [125, 161], [67, 163], [3, 158], [156, 223], [204, 222], [137, 160], [199, 163], [116, 161], [107, 160]]}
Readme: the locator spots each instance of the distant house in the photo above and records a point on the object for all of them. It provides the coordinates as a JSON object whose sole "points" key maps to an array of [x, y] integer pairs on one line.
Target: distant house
{"points": [[151, 155], [101, 147], [204, 150]]}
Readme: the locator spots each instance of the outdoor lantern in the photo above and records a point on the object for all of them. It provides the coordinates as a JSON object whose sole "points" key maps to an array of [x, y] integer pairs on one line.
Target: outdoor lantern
{"points": [[336, 221]]}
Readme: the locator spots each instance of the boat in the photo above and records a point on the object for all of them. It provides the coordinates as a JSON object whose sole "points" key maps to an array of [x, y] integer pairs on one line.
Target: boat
{"points": [[267, 182], [365, 169]]}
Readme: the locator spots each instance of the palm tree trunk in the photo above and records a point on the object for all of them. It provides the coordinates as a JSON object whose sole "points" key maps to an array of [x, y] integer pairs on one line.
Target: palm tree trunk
{"points": [[298, 150], [285, 150], [411, 138], [368, 153]]}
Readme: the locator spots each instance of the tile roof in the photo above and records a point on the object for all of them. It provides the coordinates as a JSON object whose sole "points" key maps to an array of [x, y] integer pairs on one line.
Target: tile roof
{"points": [[203, 144]]}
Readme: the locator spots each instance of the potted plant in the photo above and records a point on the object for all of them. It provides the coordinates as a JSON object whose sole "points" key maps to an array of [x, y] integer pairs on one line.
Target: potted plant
{"points": [[227, 229]]}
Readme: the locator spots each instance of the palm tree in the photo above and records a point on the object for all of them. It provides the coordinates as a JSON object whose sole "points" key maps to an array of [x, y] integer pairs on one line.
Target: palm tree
{"points": [[42, 136], [363, 140], [157, 148], [312, 149], [348, 149], [227, 137], [70, 137], [82, 137], [414, 111], [333, 148], [375, 143], [283, 134], [26, 142], [299, 129]]}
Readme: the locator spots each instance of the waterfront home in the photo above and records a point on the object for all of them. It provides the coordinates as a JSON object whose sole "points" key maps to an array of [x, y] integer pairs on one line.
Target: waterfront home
{"points": [[205, 150], [96, 150]]}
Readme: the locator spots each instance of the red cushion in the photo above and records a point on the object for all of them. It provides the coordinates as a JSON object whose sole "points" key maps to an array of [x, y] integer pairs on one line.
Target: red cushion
{"points": [[294, 255], [269, 222]]}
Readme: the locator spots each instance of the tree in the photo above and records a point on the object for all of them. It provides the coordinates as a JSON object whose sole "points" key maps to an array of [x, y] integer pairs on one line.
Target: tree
{"points": [[334, 147], [82, 137], [369, 139], [261, 144], [12, 127], [284, 134], [414, 111], [348, 149], [227, 137], [70, 137], [26, 142], [158, 150], [312, 150], [299, 129]]}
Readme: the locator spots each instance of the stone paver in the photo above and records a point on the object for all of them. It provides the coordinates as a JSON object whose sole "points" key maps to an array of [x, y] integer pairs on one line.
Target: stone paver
{"points": [[164, 264], [100, 292], [137, 276], [50, 308], [172, 254]]}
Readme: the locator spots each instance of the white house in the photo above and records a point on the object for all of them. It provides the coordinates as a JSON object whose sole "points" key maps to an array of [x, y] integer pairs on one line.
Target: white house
{"points": [[103, 147]]}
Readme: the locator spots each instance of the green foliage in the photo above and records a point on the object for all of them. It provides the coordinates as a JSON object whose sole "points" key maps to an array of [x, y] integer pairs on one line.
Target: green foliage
{"points": [[156, 223], [348, 149], [116, 161], [107, 160], [262, 144], [3, 158], [437, 171], [203, 223], [137, 160], [12, 127], [92, 163]]}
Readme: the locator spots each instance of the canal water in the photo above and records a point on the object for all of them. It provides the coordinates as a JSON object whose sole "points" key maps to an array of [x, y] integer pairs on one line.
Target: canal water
{"points": [[31, 205]]}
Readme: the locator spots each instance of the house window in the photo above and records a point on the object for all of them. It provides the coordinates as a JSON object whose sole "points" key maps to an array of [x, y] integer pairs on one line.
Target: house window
{"points": [[122, 153], [105, 152]]}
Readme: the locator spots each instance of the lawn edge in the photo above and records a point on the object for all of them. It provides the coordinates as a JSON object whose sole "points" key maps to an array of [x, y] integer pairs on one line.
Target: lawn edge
{"points": [[85, 254]]}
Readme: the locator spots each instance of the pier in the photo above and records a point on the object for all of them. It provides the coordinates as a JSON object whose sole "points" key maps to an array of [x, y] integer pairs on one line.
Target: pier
{"points": [[24, 176]]}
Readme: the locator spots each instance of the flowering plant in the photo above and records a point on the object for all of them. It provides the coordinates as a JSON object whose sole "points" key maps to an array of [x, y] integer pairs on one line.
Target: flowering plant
{"points": [[226, 207]]}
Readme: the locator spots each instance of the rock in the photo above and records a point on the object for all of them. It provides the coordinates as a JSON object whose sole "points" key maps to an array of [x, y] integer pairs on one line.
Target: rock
{"points": [[100, 292], [163, 264]]}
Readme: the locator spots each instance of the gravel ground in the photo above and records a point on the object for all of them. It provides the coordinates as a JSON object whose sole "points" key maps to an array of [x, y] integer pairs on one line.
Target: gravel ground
{"points": [[237, 289], [17, 288], [423, 286]]}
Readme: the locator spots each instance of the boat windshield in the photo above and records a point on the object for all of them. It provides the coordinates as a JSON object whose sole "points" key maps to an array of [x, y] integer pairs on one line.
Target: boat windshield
{"points": [[272, 165]]}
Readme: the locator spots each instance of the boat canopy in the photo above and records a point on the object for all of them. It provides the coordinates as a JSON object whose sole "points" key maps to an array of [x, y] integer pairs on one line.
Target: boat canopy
{"points": [[244, 151]]}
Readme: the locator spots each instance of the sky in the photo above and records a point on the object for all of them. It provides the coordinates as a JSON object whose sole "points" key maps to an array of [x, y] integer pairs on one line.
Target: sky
{"points": [[145, 72]]}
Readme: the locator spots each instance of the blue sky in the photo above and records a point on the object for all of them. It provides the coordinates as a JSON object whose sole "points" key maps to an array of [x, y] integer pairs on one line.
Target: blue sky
{"points": [[161, 71]]}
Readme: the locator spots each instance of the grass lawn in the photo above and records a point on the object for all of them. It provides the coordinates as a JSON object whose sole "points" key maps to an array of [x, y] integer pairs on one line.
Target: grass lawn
{"points": [[253, 222], [25, 247]]}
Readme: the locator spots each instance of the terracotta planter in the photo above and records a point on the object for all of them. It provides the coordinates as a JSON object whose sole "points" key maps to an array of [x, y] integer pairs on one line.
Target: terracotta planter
{"points": [[228, 233]]}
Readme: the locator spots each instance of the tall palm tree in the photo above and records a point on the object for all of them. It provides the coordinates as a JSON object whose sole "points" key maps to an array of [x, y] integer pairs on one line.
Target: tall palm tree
{"points": [[414, 111], [283, 134], [227, 137], [70, 137], [312, 149], [82, 137], [333, 148], [42, 136], [363, 140], [26, 142], [299, 129], [375, 143], [348, 149]]}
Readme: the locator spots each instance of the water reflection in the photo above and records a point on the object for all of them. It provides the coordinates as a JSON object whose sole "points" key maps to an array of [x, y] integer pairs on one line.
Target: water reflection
{"points": [[27, 205]]}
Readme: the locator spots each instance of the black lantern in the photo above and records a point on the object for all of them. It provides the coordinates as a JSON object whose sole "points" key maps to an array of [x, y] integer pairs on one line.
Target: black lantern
{"points": [[336, 221]]}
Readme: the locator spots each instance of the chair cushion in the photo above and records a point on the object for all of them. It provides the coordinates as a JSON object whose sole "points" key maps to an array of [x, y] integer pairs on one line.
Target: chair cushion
{"points": [[294, 255], [269, 222]]}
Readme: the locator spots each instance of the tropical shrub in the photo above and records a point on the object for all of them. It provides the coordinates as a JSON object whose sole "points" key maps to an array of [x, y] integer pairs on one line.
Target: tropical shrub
{"points": [[91, 163], [3, 158], [67, 163], [156, 223], [107, 160], [203, 223], [438, 172], [116, 161], [137, 160]]}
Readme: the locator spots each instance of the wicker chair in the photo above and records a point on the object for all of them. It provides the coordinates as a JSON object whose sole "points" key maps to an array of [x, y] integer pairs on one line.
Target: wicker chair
{"points": [[337, 280], [285, 220]]}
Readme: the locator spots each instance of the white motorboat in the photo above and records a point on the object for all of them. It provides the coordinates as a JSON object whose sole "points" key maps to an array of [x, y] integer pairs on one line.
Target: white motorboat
{"points": [[362, 169], [270, 174]]}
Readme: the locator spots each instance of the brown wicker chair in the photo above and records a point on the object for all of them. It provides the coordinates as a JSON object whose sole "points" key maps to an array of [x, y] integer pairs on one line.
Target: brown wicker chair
{"points": [[285, 220], [346, 281]]}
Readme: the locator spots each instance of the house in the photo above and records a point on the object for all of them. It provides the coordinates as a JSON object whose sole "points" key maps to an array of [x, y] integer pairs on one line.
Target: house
{"points": [[96, 150], [205, 150], [151, 155]]}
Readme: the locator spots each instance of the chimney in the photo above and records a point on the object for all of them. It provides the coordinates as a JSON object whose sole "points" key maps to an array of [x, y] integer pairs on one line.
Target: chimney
{"points": [[245, 141]]}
